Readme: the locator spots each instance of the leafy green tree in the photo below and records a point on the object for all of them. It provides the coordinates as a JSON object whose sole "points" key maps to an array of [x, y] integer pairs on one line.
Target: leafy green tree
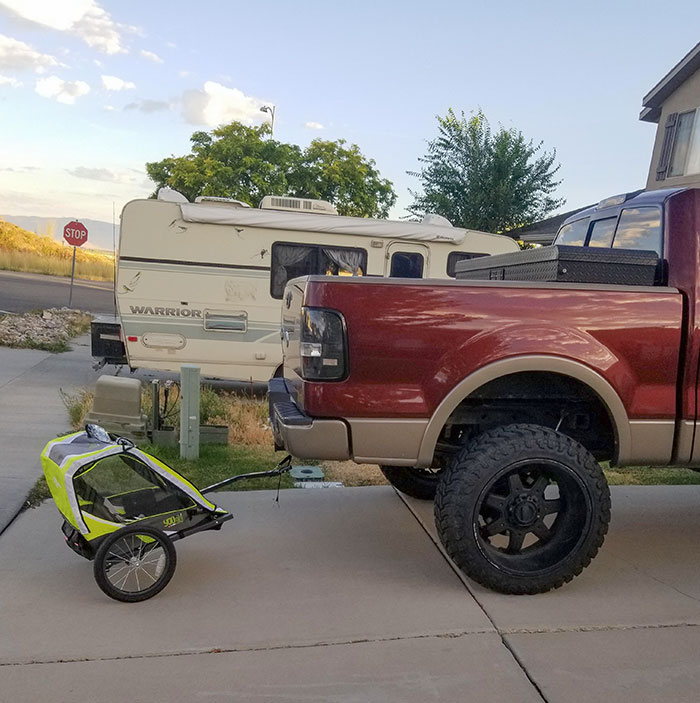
{"points": [[342, 176], [236, 161], [485, 180], [232, 161]]}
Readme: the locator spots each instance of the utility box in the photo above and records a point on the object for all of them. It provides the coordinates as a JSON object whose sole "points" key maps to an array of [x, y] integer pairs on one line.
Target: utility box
{"points": [[117, 407]]}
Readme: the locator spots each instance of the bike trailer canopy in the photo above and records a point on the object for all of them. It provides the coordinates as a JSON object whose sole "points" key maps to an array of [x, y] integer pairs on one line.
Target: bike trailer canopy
{"points": [[100, 484]]}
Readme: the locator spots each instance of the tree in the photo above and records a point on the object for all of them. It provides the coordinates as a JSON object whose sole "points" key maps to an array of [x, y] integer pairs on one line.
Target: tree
{"points": [[342, 176], [236, 161], [483, 180]]}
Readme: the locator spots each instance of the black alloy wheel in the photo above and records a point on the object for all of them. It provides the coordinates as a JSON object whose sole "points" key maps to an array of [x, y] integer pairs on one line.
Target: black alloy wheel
{"points": [[522, 509]]}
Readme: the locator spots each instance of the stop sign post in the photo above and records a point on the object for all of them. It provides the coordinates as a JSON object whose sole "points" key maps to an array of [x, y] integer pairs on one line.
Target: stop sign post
{"points": [[76, 234]]}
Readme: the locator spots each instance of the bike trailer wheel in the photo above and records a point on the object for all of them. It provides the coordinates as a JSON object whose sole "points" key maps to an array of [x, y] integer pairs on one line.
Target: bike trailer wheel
{"points": [[134, 563]]}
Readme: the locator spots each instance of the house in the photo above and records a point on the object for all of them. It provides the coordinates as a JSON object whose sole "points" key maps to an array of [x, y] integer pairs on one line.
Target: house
{"points": [[674, 105], [543, 231]]}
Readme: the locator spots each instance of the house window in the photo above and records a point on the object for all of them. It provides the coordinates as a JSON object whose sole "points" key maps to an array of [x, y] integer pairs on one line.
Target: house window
{"points": [[454, 256], [685, 154], [406, 264], [639, 228], [573, 234], [602, 232], [292, 260]]}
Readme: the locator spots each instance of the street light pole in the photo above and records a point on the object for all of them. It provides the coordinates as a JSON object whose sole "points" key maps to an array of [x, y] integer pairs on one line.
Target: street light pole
{"points": [[271, 110]]}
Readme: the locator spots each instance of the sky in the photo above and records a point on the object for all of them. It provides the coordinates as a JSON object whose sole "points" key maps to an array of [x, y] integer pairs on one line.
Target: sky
{"points": [[90, 91]]}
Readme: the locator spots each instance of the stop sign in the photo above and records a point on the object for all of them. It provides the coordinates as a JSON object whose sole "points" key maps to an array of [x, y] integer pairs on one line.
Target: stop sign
{"points": [[75, 233]]}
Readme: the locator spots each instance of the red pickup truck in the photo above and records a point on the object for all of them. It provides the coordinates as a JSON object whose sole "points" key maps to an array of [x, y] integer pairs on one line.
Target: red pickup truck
{"points": [[499, 398]]}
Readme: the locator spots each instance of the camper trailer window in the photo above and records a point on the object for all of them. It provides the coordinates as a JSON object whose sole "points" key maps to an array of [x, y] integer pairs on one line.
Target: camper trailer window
{"points": [[292, 260], [454, 256], [405, 264]]}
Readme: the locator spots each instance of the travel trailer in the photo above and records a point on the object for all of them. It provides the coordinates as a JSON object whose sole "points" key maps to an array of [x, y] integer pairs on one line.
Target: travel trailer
{"points": [[202, 282]]}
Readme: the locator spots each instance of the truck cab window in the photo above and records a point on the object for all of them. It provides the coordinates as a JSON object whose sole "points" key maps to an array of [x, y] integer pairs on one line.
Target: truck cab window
{"points": [[602, 232], [293, 260], [573, 234], [406, 264], [639, 228]]}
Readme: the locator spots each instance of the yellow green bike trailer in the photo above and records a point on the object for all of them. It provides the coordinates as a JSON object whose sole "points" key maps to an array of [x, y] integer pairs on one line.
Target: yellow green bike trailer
{"points": [[124, 508]]}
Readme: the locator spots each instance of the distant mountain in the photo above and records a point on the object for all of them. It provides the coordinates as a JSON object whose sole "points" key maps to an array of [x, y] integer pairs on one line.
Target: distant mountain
{"points": [[99, 233]]}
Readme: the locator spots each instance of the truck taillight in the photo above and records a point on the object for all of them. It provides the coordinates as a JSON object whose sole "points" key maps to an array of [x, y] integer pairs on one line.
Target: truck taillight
{"points": [[322, 345]]}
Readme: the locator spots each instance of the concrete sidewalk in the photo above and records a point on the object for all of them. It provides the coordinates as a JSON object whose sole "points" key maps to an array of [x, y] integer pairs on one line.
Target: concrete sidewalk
{"points": [[32, 413], [342, 595]]}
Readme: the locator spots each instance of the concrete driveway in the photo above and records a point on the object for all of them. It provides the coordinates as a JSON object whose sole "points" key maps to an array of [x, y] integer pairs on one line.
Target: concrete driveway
{"points": [[342, 595]]}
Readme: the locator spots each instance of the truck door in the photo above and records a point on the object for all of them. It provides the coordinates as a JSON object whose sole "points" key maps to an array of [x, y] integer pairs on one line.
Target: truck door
{"points": [[407, 260]]}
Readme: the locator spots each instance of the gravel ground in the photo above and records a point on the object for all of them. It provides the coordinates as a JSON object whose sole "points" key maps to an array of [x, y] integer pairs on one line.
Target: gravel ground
{"points": [[47, 329]]}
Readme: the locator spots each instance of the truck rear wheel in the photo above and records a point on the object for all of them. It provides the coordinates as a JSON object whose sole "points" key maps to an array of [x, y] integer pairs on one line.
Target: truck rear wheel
{"points": [[417, 483], [522, 509]]}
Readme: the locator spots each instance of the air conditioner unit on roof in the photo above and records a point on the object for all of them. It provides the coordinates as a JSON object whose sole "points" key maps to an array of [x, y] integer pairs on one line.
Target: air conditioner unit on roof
{"points": [[276, 202]]}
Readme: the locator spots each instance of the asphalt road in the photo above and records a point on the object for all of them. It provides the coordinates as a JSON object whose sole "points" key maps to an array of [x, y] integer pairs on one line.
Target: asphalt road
{"points": [[21, 292]]}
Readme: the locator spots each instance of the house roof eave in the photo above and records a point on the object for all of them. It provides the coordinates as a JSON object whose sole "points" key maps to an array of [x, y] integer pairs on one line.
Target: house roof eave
{"points": [[653, 100]]}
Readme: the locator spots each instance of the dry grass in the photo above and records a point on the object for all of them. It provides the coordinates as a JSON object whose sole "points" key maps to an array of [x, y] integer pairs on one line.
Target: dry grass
{"points": [[78, 405], [246, 417], [351, 474], [21, 250]]}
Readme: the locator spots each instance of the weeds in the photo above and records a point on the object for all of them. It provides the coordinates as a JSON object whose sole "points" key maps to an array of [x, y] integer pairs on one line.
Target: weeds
{"points": [[78, 405]]}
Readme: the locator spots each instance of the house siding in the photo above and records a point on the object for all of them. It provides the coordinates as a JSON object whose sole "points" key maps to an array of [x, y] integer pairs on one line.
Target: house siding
{"points": [[685, 97]]}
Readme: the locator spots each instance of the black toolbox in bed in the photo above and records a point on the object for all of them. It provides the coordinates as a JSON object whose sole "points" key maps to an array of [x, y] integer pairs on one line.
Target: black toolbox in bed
{"points": [[565, 264]]}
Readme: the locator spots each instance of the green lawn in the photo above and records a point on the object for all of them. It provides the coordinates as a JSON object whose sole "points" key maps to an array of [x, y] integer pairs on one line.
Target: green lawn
{"points": [[217, 462], [650, 476]]}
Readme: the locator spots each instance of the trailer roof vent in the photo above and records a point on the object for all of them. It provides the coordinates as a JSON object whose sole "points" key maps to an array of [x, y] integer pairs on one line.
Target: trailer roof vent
{"points": [[213, 200], [318, 207]]}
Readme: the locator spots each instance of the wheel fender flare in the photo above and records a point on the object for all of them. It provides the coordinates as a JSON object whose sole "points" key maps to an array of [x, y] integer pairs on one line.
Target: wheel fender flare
{"points": [[566, 367]]}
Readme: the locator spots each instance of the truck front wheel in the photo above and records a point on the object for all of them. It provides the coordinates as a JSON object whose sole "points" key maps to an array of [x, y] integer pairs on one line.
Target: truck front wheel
{"points": [[417, 483], [522, 509]]}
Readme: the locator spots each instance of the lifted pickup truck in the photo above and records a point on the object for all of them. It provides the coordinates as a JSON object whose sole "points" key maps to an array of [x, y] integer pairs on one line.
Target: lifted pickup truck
{"points": [[499, 398]]}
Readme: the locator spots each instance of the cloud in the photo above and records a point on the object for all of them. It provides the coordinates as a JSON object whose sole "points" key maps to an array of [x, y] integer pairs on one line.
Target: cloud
{"points": [[149, 106], [20, 169], [184, 74], [99, 31], [18, 56], [217, 104], [313, 125], [114, 83], [63, 91], [95, 174], [83, 18], [150, 56], [12, 82]]}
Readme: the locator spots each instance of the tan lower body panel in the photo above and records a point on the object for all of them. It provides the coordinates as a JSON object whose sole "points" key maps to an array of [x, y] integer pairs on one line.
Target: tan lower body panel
{"points": [[651, 442], [687, 454], [386, 441], [323, 439]]}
